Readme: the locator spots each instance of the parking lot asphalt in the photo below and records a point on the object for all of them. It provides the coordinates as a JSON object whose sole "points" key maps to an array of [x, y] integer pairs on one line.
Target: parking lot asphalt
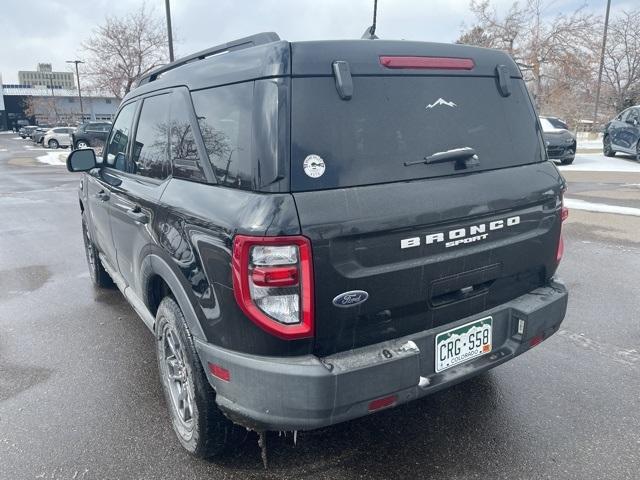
{"points": [[80, 396]]}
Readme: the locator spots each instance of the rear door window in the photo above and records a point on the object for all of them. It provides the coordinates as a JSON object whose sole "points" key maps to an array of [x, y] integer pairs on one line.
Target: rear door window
{"points": [[225, 120], [185, 160], [396, 119], [151, 147]]}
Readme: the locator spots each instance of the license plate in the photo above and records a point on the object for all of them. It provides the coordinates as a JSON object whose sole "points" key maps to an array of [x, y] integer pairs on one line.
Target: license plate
{"points": [[464, 343]]}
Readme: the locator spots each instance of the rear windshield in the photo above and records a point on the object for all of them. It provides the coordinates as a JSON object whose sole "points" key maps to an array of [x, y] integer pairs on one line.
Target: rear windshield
{"points": [[397, 119]]}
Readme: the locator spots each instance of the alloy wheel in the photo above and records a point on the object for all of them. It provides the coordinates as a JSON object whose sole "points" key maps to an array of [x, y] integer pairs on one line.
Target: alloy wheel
{"points": [[176, 376]]}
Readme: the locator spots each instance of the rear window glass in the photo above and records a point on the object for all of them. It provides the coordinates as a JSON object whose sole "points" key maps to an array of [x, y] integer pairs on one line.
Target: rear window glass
{"points": [[397, 119], [224, 117]]}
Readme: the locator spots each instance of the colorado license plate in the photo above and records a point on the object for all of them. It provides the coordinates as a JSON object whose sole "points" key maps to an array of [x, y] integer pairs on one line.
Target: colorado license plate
{"points": [[461, 344]]}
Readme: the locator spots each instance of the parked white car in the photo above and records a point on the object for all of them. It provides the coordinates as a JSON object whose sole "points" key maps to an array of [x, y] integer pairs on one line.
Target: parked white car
{"points": [[58, 137]]}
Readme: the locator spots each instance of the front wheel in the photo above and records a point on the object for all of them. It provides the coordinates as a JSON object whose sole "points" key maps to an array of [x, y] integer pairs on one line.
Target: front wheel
{"points": [[201, 427], [606, 147], [567, 161], [53, 144], [82, 144]]}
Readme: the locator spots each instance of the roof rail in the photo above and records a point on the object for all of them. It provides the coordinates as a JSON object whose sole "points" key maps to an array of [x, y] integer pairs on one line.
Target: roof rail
{"points": [[239, 44]]}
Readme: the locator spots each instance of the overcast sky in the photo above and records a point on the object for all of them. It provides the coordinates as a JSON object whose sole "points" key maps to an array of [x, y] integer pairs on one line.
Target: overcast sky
{"points": [[52, 31]]}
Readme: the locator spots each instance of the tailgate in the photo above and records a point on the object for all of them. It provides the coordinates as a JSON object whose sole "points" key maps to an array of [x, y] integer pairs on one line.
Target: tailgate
{"points": [[428, 252]]}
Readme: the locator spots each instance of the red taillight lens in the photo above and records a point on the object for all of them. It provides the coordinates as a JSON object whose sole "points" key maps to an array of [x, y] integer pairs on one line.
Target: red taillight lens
{"points": [[275, 276], [564, 214], [273, 283], [437, 63]]}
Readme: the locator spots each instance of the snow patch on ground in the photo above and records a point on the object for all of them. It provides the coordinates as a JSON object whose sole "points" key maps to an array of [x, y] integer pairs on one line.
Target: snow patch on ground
{"points": [[599, 163], [577, 204], [590, 144], [54, 158]]}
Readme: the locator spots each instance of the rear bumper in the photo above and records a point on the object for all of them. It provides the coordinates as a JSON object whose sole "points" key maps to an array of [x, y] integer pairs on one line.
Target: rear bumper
{"points": [[303, 393]]}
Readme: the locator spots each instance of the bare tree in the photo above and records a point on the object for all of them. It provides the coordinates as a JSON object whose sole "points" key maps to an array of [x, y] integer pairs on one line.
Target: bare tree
{"points": [[541, 45], [43, 109], [622, 61], [493, 31], [124, 49]]}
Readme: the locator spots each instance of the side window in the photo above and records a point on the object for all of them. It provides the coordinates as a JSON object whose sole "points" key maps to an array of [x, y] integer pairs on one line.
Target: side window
{"points": [[225, 119], [183, 149], [116, 146], [633, 114], [151, 147]]}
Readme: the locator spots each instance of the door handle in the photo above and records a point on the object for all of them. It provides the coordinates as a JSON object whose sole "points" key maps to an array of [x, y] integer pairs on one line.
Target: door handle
{"points": [[102, 195], [137, 215]]}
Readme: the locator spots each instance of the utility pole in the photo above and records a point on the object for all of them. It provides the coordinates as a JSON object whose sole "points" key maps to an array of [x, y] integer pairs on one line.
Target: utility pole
{"points": [[168, 11], [76, 62], [604, 44]]}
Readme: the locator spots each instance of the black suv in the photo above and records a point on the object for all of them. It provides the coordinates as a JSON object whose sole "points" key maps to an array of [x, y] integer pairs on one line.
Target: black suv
{"points": [[91, 135], [315, 231], [622, 134]]}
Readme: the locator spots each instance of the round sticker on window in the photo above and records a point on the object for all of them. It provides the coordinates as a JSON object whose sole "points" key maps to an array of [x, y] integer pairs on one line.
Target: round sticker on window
{"points": [[313, 166]]}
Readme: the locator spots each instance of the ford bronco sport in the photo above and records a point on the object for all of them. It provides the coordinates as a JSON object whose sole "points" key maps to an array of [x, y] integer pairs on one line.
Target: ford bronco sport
{"points": [[315, 231]]}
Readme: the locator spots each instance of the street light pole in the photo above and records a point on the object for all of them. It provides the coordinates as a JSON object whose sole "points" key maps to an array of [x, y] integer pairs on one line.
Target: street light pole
{"points": [[604, 44], [168, 11], [79, 92]]}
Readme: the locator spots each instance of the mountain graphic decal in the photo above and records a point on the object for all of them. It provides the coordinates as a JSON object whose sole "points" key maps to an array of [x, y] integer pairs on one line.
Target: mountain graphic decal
{"points": [[441, 101]]}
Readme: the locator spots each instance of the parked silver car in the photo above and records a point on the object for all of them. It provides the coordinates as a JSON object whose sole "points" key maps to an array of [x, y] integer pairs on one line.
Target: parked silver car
{"points": [[58, 137]]}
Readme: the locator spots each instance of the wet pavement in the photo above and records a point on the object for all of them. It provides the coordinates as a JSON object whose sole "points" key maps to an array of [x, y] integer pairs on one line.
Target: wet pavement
{"points": [[80, 396]]}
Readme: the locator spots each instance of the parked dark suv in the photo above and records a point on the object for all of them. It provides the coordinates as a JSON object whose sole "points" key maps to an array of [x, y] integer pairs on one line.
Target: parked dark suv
{"points": [[315, 231], [91, 135], [622, 134]]}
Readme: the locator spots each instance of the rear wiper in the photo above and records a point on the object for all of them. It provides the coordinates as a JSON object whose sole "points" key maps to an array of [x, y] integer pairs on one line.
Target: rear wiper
{"points": [[466, 157]]}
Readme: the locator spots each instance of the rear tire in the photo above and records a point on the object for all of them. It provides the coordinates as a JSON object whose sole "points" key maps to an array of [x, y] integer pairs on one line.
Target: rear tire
{"points": [[53, 144], [606, 147], [200, 426], [99, 275]]}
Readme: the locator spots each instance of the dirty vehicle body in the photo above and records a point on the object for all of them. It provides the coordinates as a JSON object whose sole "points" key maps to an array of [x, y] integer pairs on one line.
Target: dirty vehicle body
{"points": [[326, 229]]}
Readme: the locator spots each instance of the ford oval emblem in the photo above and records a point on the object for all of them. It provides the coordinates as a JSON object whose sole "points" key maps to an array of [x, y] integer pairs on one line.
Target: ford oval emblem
{"points": [[350, 299]]}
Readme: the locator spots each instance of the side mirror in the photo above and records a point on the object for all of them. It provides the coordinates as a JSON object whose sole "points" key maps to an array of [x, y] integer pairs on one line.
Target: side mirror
{"points": [[81, 160]]}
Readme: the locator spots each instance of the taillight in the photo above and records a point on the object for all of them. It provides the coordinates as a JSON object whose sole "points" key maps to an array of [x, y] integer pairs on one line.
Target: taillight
{"points": [[564, 214], [273, 283], [434, 63]]}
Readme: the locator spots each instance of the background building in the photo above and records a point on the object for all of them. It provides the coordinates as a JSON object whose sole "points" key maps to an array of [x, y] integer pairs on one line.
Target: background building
{"points": [[28, 105], [44, 76]]}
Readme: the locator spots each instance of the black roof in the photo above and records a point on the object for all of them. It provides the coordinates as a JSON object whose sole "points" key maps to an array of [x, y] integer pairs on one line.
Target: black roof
{"points": [[266, 56]]}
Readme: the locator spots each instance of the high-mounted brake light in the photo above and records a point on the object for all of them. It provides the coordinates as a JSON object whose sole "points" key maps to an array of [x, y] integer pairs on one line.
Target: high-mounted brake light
{"points": [[273, 283], [437, 63]]}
